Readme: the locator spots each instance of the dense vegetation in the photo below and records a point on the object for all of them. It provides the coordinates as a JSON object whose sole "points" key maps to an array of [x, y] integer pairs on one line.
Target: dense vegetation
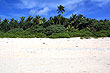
{"points": [[55, 27]]}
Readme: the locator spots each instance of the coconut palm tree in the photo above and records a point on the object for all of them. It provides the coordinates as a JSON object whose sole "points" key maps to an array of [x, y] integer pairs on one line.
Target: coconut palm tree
{"points": [[4, 25], [11, 24], [22, 22], [61, 9], [44, 19], [29, 19]]}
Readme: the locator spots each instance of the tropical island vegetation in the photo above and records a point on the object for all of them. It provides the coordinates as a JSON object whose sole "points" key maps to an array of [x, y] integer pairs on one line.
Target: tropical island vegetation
{"points": [[56, 27]]}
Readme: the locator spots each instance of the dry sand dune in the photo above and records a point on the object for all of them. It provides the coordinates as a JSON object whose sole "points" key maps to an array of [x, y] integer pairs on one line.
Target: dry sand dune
{"points": [[41, 55]]}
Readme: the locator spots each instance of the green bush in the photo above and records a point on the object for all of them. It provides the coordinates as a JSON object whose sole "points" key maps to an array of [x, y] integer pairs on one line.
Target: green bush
{"points": [[87, 33], [54, 29], [15, 30], [75, 34], [1, 32], [7, 35], [23, 32], [22, 35], [103, 33], [59, 35], [81, 33], [73, 30], [40, 35], [37, 29]]}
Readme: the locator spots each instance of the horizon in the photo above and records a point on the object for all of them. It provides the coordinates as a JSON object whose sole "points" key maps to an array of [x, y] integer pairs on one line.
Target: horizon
{"points": [[95, 9]]}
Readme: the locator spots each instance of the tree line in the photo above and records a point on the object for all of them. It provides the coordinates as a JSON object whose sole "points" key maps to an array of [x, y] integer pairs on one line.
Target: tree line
{"points": [[56, 27]]}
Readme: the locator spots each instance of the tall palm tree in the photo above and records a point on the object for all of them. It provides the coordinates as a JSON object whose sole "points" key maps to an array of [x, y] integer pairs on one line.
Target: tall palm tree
{"points": [[22, 19], [44, 19], [4, 25], [22, 22], [61, 9], [29, 19], [11, 24]]}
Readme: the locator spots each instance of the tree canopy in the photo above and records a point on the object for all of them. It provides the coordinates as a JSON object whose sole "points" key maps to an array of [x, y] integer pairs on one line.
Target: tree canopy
{"points": [[56, 27]]}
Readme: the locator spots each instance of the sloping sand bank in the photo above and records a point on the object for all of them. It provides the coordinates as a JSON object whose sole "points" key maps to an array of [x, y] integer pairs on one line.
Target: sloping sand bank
{"points": [[43, 55]]}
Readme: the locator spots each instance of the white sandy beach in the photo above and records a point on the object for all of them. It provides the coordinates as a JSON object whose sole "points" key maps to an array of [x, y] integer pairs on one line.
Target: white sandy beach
{"points": [[44, 55]]}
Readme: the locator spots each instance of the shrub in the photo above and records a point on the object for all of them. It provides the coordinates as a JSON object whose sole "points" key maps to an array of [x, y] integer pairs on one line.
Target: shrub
{"points": [[22, 35], [103, 33], [40, 35], [7, 35], [59, 35], [1, 32], [75, 34], [37, 29], [87, 33], [15, 30], [23, 32], [55, 29], [73, 30], [82, 33]]}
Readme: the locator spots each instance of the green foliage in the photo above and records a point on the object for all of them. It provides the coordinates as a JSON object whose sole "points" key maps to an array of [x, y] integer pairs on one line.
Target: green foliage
{"points": [[75, 34], [101, 26], [81, 33], [7, 35], [72, 30], [36, 29], [22, 35], [55, 29], [15, 30], [25, 32], [85, 32], [40, 35], [103, 33], [1, 32], [59, 35]]}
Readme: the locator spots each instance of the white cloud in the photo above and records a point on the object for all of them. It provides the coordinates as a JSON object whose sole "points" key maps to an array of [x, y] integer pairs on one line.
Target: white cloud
{"points": [[45, 3], [101, 2], [73, 6], [44, 11], [68, 2], [27, 4], [106, 1], [33, 12]]}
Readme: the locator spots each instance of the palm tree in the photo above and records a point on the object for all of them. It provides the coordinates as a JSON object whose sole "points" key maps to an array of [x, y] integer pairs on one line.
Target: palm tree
{"points": [[22, 19], [44, 19], [4, 25], [29, 19], [0, 23], [28, 22], [61, 9], [36, 20], [22, 22], [11, 24]]}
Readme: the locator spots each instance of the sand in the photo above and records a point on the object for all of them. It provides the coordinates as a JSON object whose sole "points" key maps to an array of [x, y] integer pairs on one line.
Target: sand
{"points": [[44, 55]]}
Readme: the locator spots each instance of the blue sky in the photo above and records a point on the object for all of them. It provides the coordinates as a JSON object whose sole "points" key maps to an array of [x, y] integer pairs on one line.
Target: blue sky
{"points": [[98, 9]]}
